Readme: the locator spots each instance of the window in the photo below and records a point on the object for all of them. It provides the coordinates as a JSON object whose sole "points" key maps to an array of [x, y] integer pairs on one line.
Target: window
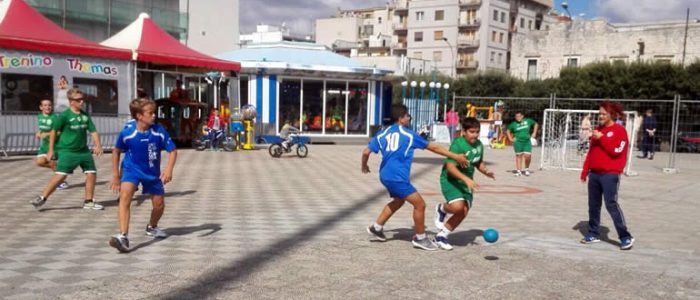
{"points": [[418, 55], [529, 24], [503, 17], [336, 92], [572, 62], [243, 91], [357, 108], [289, 103], [379, 20], [500, 58], [313, 105], [439, 15], [495, 15], [368, 30], [101, 95], [23, 92], [418, 36], [493, 36], [493, 56], [500, 37], [531, 69], [437, 35], [522, 23], [437, 56], [420, 16]]}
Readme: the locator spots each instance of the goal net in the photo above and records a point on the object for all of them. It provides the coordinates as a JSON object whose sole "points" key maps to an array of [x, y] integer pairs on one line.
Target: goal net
{"points": [[565, 136]]}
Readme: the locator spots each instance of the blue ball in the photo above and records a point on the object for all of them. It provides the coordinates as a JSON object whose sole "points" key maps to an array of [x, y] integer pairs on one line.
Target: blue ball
{"points": [[491, 235]]}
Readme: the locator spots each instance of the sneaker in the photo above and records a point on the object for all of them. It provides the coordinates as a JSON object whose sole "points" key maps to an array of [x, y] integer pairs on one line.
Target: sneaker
{"points": [[62, 186], [626, 243], [526, 172], [38, 202], [517, 173], [651, 157], [589, 239], [641, 156], [92, 205], [442, 242], [155, 232], [439, 217], [425, 244], [121, 242], [378, 234]]}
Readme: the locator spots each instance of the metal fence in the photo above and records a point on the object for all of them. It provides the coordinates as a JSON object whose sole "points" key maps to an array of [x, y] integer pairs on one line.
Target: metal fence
{"points": [[678, 120], [18, 129]]}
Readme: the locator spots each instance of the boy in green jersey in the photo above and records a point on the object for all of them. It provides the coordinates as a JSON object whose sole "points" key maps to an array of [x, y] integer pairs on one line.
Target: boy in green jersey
{"points": [[521, 132], [457, 183], [72, 149], [45, 120]]}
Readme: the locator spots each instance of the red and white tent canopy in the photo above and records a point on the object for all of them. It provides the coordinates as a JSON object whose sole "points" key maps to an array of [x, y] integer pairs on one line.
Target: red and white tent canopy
{"points": [[150, 43], [23, 28]]}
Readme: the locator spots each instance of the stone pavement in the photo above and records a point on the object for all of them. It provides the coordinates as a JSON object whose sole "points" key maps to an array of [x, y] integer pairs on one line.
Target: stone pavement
{"points": [[243, 225]]}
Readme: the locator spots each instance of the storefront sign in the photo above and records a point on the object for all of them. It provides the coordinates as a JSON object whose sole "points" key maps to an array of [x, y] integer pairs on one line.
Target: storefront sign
{"points": [[27, 61], [74, 64]]}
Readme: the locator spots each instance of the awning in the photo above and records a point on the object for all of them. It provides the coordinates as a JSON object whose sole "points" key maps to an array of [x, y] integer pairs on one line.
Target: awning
{"points": [[150, 43], [23, 28]]}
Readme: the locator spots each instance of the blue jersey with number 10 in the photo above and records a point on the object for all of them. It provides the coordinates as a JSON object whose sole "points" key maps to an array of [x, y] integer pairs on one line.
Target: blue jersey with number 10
{"points": [[396, 144], [142, 150]]}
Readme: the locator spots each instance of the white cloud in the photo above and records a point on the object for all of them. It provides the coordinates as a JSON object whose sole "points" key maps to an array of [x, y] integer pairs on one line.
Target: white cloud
{"points": [[646, 10]]}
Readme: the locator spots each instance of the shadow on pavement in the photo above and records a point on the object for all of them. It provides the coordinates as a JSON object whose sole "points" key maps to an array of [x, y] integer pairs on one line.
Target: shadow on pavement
{"points": [[465, 238], [209, 284], [178, 231], [140, 198], [402, 234], [582, 227], [15, 159]]}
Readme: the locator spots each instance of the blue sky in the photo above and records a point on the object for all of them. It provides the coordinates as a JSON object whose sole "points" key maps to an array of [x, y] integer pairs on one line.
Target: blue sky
{"points": [[577, 7]]}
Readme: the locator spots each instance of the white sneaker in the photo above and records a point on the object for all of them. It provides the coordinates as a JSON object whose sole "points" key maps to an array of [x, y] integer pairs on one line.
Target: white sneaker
{"points": [[155, 232], [62, 186], [526, 172], [92, 205], [439, 217], [517, 173], [443, 243]]}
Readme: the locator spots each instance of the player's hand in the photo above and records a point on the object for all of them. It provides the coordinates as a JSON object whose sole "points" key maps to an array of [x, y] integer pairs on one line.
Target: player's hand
{"points": [[597, 134], [97, 150], [116, 184], [462, 161], [365, 169], [49, 155], [584, 174], [166, 176], [38, 135], [490, 174], [472, 185]]}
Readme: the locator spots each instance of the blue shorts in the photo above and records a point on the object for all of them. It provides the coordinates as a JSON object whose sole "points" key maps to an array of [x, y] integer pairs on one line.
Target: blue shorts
{"points": [[399, 189], [150, 186]]}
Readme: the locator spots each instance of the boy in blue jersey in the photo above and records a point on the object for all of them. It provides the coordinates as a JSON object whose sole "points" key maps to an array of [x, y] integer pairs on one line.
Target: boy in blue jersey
{"points": [[141, 145], [397, 144]]}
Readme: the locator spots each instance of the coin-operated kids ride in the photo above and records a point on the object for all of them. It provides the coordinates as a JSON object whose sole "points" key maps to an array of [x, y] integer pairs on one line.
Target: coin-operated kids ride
{"points": [[237, 129], [249, 113], [485, 116]]}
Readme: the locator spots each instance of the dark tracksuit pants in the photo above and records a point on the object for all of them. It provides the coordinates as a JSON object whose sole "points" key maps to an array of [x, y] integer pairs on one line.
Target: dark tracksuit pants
{"points": [[647, 145], [604, 186]]}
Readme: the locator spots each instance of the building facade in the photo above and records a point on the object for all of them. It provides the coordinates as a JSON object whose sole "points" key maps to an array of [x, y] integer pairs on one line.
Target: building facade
{"points": [[189, 21], [458, 36], [541, 55], [272, 34]]}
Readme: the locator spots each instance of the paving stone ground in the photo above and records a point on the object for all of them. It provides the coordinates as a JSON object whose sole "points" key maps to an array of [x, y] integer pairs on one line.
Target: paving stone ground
{"points": [[243, 225]]}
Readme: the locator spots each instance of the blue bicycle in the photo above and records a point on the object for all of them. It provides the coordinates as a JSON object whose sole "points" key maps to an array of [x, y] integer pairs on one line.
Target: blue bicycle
{"points": [[281, 147]]}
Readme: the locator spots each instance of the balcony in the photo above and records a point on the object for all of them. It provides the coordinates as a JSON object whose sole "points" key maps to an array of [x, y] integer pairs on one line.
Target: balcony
{"points": [[467, 64], [469, 23], [466, 4], [399, 46], [399, 27], [466, 43], [400, 7]]}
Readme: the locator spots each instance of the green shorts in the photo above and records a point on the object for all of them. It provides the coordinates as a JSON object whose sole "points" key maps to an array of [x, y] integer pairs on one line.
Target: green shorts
{"points": [[456, 191], [522, 147], [68, 161], [43, 149]]}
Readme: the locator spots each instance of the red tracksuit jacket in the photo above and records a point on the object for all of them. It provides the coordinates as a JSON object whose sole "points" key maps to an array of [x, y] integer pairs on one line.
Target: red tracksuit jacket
{"points": [[608, 154]]}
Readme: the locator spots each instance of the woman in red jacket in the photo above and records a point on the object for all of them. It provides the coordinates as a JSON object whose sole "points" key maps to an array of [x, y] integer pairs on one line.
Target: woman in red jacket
{"points": [[604, 163]]}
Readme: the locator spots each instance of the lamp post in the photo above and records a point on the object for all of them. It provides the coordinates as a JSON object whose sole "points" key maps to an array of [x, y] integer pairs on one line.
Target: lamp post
{"points": [[452, 53], [432, 87], [422, 89], [413, 89], [404, 84], [565, 6], [437, 99], [446, 87]]}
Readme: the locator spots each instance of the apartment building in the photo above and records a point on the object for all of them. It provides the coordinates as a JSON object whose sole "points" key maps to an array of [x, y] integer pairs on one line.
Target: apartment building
{"points": [[458, 36], [272, 34]]}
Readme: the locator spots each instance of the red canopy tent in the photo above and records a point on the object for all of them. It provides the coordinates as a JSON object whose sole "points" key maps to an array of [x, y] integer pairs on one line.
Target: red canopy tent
{"points": [[23, 28], [152, 44]]}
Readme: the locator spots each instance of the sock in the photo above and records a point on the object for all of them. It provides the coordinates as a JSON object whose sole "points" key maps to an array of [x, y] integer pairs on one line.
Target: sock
{"points": [[420, 236], [444, 233], [89, 200], [378, 227]]}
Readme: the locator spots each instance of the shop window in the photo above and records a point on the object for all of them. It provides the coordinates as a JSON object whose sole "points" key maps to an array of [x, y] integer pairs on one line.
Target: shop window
{"points": [[357, 108], [336, 97], [24, 92], [313, 105], [101, 95], [289, 103]]}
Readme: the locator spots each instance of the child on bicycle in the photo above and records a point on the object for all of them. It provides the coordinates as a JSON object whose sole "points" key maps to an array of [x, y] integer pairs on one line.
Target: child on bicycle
{"points": [[286, 133]]}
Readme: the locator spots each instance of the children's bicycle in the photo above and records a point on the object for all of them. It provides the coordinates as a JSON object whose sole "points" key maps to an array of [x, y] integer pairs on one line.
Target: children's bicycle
{"points": [[223, 141], [282, 147]]}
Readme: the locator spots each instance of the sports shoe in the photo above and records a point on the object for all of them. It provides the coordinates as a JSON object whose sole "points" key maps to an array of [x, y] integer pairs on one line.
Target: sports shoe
{"points": [[589, 239], [425, 244], [378, 234], [443, 243], [92, 205], [526, 172], [155, 232], [38, 202], [439, 217], [121, 242], [517, 173], [626, 243], [62, 186]]}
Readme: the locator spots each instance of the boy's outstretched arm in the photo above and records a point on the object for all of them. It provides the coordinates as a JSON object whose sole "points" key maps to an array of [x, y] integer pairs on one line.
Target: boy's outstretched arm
{"points": [[167, 175], [365, 158], [482, 168], [116, 181], [456, 173], [436, 148]]}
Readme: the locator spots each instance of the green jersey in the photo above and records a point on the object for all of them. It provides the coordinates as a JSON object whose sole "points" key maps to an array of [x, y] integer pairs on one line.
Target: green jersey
{"points": [[44, 123], [73, 128], [521, 130], [473, 152]]}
